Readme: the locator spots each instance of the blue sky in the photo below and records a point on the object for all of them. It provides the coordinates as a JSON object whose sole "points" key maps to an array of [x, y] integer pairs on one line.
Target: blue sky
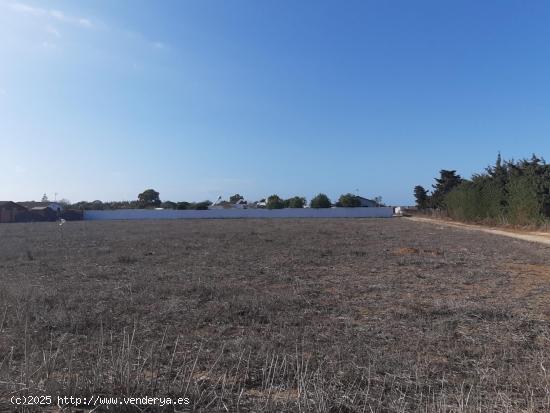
{"points": [[102, 99]]}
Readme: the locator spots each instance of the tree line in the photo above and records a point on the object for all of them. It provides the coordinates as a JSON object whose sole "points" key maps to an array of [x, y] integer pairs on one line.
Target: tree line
{"points": [[319, 201], [151, 199], [147, 199], [514, 192]]}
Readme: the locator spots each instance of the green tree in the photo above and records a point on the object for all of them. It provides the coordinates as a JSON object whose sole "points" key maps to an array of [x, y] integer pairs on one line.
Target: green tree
{"points": [[97, 204], [201, 206], [168, 205], [421, 196], [149, 199], [447, 181], [120, 205], [295, 202], [499, 177], [275, 202], [349, 200], [320, 201], [183, 205], [524, 205], [235, 198], [508, 192], [463, 202]]}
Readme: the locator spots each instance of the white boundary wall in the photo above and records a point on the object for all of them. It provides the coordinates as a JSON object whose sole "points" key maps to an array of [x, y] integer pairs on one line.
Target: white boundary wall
{"points": [[134, 214]]}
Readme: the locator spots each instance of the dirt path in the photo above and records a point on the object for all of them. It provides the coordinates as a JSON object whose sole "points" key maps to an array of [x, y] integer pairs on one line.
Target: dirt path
{"points": [[540, 237]]}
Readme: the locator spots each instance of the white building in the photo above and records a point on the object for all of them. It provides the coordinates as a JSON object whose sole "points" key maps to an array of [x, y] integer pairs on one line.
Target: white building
{"points": [[54, 206]]}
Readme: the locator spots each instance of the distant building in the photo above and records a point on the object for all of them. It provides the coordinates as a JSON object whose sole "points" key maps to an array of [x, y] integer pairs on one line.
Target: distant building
{"points": [[38, 206], [259, 204], [9, 211], [40, 211], [36, 212], [241, 203], [367, 202], [221, 204]]}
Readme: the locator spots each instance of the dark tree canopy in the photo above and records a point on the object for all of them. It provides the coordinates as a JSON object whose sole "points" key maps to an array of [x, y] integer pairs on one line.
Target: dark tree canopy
{"points": [[421, 196], [168, 205], [235, 198], [514, 192], [275, 202], [183, 205], [447, 181], [200, 205], [349, 200], [320, 201], [149, 198], [295, 202]]}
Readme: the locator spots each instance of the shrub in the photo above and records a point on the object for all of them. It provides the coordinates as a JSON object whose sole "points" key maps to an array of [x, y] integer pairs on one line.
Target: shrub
{"points": [[168, 205], [348, 200], [201, 205], [524, 207], [320, 201], [514, 192], [295, 202], [275, 202]]}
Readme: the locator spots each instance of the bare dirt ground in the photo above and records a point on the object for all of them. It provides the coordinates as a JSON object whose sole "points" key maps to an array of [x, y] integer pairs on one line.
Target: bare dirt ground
{"points": [[532, 236], [359, 315]]}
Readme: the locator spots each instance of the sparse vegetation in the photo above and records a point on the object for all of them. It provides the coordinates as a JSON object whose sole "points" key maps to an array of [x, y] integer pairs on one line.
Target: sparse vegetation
{"points": [[283, 315]]}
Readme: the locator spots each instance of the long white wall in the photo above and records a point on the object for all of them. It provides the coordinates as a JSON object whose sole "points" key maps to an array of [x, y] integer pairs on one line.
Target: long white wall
{"points": [[132, 214]]}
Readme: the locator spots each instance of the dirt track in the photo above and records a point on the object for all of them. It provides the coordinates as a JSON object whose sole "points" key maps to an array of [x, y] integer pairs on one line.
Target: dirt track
{"points": [[540, 237]]}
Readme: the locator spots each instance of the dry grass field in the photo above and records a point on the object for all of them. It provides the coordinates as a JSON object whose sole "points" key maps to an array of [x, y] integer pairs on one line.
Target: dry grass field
{"points": [[362, 315]]}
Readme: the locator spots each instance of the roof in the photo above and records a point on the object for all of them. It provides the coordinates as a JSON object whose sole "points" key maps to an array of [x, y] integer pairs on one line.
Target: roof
{"points": [[11, 204], [33, 204], [367, 202]]}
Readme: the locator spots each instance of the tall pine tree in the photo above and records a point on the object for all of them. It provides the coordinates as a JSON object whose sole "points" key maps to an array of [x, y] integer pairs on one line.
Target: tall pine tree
{"points": [[447, 181], [421, 196]]}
